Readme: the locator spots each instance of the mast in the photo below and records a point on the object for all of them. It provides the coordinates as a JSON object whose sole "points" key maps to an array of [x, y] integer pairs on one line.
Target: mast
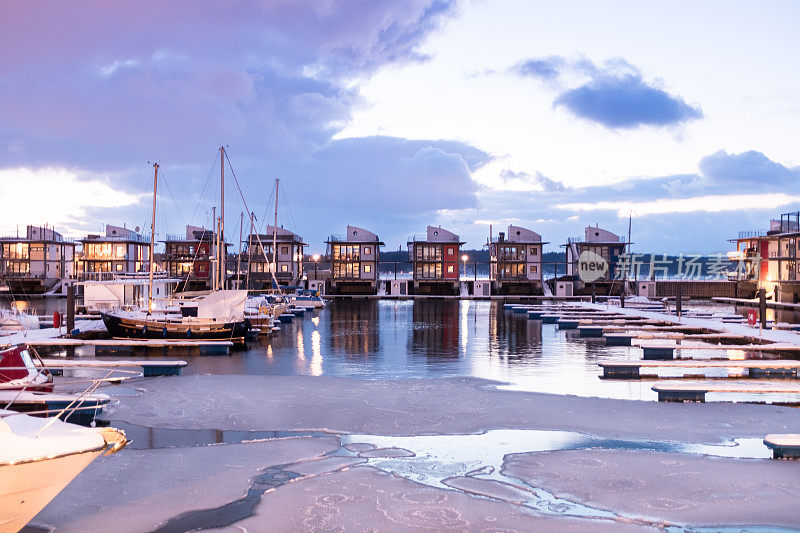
{"points": [[249, 252], [152, 241], [215, 245], [223, 252], [239, 256], [275, 238]]}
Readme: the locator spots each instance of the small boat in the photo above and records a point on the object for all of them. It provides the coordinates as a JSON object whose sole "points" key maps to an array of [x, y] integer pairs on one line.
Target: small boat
{"points": [[19, 372], [39, 457]]}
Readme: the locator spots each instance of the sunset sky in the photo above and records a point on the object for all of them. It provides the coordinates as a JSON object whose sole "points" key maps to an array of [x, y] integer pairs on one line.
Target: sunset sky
{"points": [[395, 115]]}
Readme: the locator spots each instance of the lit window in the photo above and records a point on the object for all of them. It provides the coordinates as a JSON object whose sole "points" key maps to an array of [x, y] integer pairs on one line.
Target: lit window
{"points": [[119, 267], [120, 251], [284, 268], [533, 269], [367, 268], [368, 250], [450, 269]]}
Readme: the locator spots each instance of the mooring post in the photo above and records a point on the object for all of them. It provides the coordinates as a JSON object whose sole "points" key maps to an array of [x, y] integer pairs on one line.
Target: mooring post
{"points": [[622, 296], [678, 299], [70, 308], [762, 307], [776, 293], [594, 294]]}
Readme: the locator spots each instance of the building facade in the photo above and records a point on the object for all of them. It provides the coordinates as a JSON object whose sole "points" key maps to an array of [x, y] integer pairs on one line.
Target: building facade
{"points": [[435, 260], [257, 257], [516, 261], [354, 261], [189, 258], [37, 262], [119, 251], [602, 243], [769, 257]]}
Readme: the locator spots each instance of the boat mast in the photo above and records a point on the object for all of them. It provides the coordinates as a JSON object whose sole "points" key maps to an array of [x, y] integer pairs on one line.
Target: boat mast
{"points": [[275, 238], [215, 245], [152, 241], [222, 250], [239, 256], [250, 252]]}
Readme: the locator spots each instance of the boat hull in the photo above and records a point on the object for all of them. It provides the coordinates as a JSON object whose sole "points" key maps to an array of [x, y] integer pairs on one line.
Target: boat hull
{"points": [[26, 488], [131, 328]]}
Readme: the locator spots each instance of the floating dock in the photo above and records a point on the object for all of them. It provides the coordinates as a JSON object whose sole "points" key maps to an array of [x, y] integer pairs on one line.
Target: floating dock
{"points": [[149, 368], [758, 368], [696, 392]]}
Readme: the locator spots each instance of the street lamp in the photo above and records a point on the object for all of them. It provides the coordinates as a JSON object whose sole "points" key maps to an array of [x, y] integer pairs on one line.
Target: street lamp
{"points": [[465, 258], [315, 257]]}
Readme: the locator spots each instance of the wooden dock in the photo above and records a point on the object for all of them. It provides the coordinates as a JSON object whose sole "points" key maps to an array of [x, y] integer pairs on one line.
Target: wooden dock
{"points": [[757, 368], [112, 346], [783, 446], [50, 403], [149, 368], [667, 351], [696, 392]]}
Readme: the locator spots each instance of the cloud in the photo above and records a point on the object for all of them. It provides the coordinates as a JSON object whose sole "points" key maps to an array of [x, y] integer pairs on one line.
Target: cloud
{"points": [[525, 181], [626, 102], [62, 198], [614, 94], [547, 68], [747, 168]]}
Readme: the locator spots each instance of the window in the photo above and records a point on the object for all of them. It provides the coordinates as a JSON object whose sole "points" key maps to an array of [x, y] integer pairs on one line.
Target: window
{"points": [[347, 270], [368, 250], [367, 269], [533, 269], [450, 250], [285, 250], [284, 268], [345, 252], [534, 250], [119, 267], [427, 252], [428, 271], [450, 269], [120, 251]]}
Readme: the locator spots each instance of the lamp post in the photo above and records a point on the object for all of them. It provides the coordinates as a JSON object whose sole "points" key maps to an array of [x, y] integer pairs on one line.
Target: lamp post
{"points": [[315, 257], [464, 259]]}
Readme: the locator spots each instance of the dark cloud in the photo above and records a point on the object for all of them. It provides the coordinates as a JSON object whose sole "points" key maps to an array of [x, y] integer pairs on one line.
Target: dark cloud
{"points": [[128, 84], [615, 95], [626, 102]]}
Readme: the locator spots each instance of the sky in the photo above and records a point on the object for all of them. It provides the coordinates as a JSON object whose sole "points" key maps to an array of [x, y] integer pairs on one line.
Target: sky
{"points": [[682, 116]]}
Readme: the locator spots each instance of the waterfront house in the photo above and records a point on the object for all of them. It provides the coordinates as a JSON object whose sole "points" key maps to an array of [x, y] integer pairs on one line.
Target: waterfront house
{"points": [[435, 258], [119, 251], [768, 257], [38, 262], [189, 257], [354, 261], [516, 262], [257, 257], [600, 242]]}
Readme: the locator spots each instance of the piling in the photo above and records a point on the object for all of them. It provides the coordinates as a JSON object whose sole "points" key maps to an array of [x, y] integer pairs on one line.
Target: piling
{"points": [[762, 307], [594, 294], [678, 300], [70, 308]]}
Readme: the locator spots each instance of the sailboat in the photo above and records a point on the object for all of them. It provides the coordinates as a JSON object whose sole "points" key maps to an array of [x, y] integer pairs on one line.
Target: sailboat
{"points": [[216, 316]]}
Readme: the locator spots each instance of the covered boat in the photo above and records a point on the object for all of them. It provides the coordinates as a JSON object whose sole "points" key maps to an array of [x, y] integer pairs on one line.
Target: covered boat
{"points": [[39, 457], [217, 316]]}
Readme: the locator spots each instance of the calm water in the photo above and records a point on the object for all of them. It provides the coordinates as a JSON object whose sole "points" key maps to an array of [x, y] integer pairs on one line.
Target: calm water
{"points": [[387, 339]]}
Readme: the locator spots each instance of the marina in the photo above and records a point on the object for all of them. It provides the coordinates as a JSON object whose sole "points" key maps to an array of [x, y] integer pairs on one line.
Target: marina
{"points": [[433, 266]]}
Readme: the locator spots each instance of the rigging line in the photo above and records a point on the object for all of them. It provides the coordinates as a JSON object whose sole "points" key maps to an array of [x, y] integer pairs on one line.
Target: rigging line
{"points": [[205, 189], [289, 210], [265, 217], [172, 196]]}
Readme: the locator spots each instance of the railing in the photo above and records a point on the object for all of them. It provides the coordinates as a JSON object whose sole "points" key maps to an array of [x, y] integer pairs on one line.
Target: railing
{"points": [[496, 240], [116, 238], [752, 233], [67, 240], [599, 240], [437, 238]]}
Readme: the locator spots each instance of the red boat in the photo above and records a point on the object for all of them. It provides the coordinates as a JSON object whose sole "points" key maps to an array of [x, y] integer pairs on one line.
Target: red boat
{"points": [[19, 372]]}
